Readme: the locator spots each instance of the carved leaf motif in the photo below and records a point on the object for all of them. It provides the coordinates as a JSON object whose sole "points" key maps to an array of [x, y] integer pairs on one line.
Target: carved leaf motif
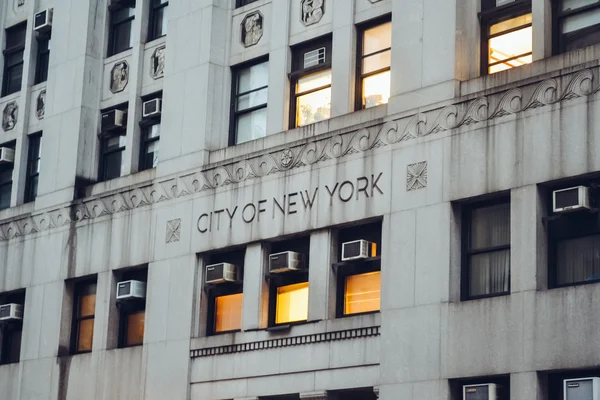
{"points": [[413, 127], [580, 85], [445, 120], [543, 95], [509, 104], [476, 112]]}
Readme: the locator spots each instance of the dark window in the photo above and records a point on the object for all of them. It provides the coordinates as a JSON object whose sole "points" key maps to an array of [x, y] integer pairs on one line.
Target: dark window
{"points": [[112, 157], [249, 102], [288, 291], [574, 242], [506, 34], [355, 394], [12, 331], [158, 19], [121, 22], [13, 59], [486, 244], [359, 281], [33, 167], [225, 299], [84, 310], [375, 43], [311, 82], [579, 388], [43, 59], [6, 175], [241, 3], [132, 312], [576, 24], [493, 387]]}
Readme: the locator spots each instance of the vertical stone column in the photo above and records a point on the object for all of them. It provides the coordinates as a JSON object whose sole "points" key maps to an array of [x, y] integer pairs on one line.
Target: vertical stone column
{"points": [[320, 277], [256, 290], [344, 59], [542, 29]]}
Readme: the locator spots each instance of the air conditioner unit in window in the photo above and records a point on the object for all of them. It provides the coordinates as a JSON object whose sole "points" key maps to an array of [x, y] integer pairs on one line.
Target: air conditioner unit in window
{"points": [[42, 22], [11, 312], [113, 120], [129, 290], [570, 199], [485, 391], [285, 261], [582, 389], [152, 108], [222, 273], [358, 249], [7, 155]]}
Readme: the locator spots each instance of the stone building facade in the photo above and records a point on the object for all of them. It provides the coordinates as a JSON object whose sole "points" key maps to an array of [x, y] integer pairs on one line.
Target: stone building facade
{"points": [[273, 138]]}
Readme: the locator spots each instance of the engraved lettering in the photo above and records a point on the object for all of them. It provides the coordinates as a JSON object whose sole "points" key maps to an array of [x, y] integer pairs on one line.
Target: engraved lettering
{"points": [[202, 230], [218, 215], [260, 210], [308, 202], [248, 220], [331, 192], [364, 188], [231, 215], [291, 203], [276, 204], [350, 194], [374, 184]]}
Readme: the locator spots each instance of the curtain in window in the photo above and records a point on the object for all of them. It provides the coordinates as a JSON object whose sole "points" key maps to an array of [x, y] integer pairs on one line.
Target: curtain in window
{"points": [[578, 260], [490, 273]]}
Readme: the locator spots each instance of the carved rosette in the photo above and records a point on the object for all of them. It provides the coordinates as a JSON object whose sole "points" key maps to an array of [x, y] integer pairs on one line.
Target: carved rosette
{"points": [[252, 28], [157, 63], [10, 116], [119, 77], [312, 11]]}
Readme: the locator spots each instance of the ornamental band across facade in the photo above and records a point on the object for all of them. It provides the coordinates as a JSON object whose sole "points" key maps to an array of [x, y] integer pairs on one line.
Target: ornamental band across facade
{"points": [[183, 185]]}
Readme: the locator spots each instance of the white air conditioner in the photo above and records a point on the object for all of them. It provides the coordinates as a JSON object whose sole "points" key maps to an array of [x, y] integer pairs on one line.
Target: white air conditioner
{"points": [[484, 391], [7, 155], [358, 249], [222, 273], [570, 199], [152, 108], [113, 120], [582, 389], [285, 261], [42, 22], [11, 312], [128, 290]]}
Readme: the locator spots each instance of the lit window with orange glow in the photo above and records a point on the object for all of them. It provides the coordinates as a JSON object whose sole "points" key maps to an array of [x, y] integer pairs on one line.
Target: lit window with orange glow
{"points": [[228, 312], [292, 303], [374, 65], [362, 293], [510, 44]]}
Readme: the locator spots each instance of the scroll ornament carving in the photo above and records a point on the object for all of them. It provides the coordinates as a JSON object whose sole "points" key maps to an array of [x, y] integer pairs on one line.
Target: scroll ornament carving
{"points": [[325, 147]]}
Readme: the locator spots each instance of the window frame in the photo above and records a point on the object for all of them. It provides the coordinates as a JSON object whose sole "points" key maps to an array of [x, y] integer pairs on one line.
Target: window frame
{"points": [[347, 269], [360, 77], [76, 319], [233, 113], [113, 25], [14, 50], [9, 331], [31, 190], [146, 125], [104, 152], [280, 280], [558, 39], [155, 8], [214, 291], [132, 306], [5, 168], [491, 15], [43, 53], [298, 70], [467, 253]]}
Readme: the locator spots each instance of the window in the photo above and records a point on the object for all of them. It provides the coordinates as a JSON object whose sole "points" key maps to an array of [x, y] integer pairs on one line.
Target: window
{"points": [[150, 138], [132, 312], [359, 281], [374, 65], [555, 383], [33, 166], [112, 157], [486, 257], [576, 24], [43, 59], [491, 387], [311, 83], [242, 3], [13, 59], [158, 19], [121, 22], [249, 105], [225, 298], [6, 174], [574, 244], [84, 309], [288, 297], [507, 35], [355, 394], [12, 331]]}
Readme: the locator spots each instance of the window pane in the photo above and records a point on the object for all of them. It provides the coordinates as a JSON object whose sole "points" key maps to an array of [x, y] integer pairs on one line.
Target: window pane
{"points": [[5, 192], [13, 77], [160, 22], [15, 36], [569, 5], [252, 99], [122, 14], [135, 328], [377, 38], [33, 188], [313, 81], [122, 37], [87, 305], [490, 226], [313, 107], [376, 62], [578, 260], [510, 24], [86, 335], [253, 77], [580, 21], [228, 312], [490, 273], [292, 303], [376, 89], [13, 345], [581, 41], [511, 45], [151, 155], [112, 165], [251, 126], [362, 293]]}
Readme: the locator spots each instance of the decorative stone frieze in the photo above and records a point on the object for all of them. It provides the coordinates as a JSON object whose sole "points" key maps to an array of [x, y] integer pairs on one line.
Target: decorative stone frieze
{"points": [[119, 77], [312, 11], [10, 115], [157, 63], [252, 28], [416, 176]]}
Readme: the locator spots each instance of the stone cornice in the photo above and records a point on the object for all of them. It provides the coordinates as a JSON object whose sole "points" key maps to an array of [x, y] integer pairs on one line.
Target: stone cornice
{"points": [[330, 146]]}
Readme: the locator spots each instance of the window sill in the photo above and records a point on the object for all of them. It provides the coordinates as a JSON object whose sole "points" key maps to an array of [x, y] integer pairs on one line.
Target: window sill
{"points": [[285, 327], [118, 56], [11, 96], [248, 7], [358, 314], [568, 285], [486, 296], [224, 332], [156, 42], [79, 353]]}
